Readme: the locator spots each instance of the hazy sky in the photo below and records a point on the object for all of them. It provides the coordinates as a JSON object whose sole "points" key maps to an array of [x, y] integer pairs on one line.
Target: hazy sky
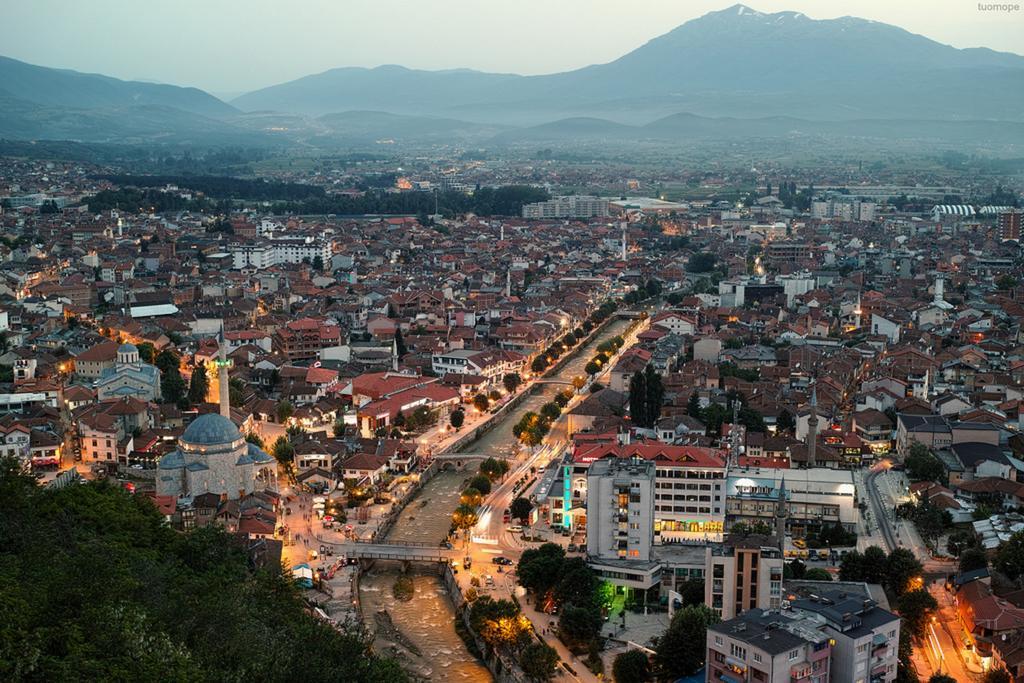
{"points": [[230, 46]]}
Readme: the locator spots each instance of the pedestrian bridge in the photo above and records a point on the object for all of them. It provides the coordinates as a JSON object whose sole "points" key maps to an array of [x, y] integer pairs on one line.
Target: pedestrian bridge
{"points": [[406, 552]]}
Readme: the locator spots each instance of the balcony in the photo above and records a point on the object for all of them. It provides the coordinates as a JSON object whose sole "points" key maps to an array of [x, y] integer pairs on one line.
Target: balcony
{"points": [[800, 671]]}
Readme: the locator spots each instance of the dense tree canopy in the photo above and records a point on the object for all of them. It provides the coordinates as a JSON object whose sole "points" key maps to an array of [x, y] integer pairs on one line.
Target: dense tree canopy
{"points": [[96, 587]]}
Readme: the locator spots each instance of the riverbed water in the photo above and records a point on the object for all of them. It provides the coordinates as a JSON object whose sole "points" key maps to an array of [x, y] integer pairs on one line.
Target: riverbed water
{"points": [[428, 620]]}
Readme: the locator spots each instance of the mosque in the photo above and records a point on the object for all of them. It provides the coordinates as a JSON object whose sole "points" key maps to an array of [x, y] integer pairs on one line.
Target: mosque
{"points": [[213, 456]]}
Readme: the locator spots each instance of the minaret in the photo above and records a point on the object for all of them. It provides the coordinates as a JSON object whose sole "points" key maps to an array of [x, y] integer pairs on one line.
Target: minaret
{"points": [[812, 428], [508, 283], [940, 290], [734, 436], [222, 376], [623, 240], [781, 513], [857, 312], [503, 232]]}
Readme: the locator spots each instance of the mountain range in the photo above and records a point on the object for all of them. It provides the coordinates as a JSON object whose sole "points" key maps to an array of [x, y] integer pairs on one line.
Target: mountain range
{"points": [[731, 73]]}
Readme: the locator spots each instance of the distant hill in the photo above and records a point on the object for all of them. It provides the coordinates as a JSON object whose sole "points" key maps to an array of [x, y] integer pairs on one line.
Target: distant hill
{"points": [[128, 124], [38, 103], [734, 62], [683, 127], [65, 88]]}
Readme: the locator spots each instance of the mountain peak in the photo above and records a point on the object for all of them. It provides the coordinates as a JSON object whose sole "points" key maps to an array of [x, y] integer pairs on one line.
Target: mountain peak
{"points": [[741, 10]]}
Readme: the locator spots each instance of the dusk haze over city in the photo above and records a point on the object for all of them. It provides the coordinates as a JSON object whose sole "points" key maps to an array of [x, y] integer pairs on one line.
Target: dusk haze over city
{"points": [[469, 341]]}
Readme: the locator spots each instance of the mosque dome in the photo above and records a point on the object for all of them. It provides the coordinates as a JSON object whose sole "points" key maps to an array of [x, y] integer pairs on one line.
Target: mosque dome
{"points": [[210, 431]]}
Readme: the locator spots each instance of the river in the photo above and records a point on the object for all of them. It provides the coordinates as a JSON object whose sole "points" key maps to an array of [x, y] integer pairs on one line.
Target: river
{"points": [[428, 620]]}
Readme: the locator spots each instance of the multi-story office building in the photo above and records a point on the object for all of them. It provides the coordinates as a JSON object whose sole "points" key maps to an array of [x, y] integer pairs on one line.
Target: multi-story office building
{"points": [[743, 573], [815, 497], [689, 496], [620, 521]]}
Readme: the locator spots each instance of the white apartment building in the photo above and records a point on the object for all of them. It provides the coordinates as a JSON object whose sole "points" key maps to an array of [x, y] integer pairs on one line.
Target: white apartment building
{"points": [[575, 206], [262, 255]]}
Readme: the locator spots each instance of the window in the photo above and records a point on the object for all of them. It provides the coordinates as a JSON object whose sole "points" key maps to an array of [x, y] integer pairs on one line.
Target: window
{"points": [[737, 651], [757, 657], [793, 655], [862, 648]]}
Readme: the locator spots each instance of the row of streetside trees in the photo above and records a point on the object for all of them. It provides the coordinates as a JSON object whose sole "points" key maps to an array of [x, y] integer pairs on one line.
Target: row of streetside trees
{"points": [[477, 489], [567, 585], [550, 355]]}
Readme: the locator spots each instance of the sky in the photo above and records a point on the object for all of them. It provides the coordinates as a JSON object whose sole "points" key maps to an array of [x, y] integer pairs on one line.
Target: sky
{"points": [[232, 46]]}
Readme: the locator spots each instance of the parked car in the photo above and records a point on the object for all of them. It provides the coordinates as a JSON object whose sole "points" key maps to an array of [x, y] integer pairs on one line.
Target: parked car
{"points": [[501, 560]]}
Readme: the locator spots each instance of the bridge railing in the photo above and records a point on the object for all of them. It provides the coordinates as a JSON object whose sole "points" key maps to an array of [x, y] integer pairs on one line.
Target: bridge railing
{"points": [[396, 544]]}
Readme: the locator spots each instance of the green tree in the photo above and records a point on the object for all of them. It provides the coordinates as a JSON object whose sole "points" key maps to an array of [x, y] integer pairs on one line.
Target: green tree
{"points": [[701, 262], [464, 517], [577, 583], [817, 574], [511, 382], [693, 406], [550, 411], [973, 559], [691, 591], [283, 451], [147, 352], [457, 418], [874, 564], [481, 402], [254, 438], [520, 509], [158, 604], [961, 540], [471, 497], [539, 364], [901, 568], [681, 651], [284, 410], [499, 623], [579, 625], [785, 422], [632, 666], [172, 388], [916, 607], [638, 399], [494, 469], [655, 395], [539, 661], [922, 465], [941, 678], [1009, 558], [592, 368], [538, 568], [481, 483], [199, 385], [997, 675], [400, 347]]}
